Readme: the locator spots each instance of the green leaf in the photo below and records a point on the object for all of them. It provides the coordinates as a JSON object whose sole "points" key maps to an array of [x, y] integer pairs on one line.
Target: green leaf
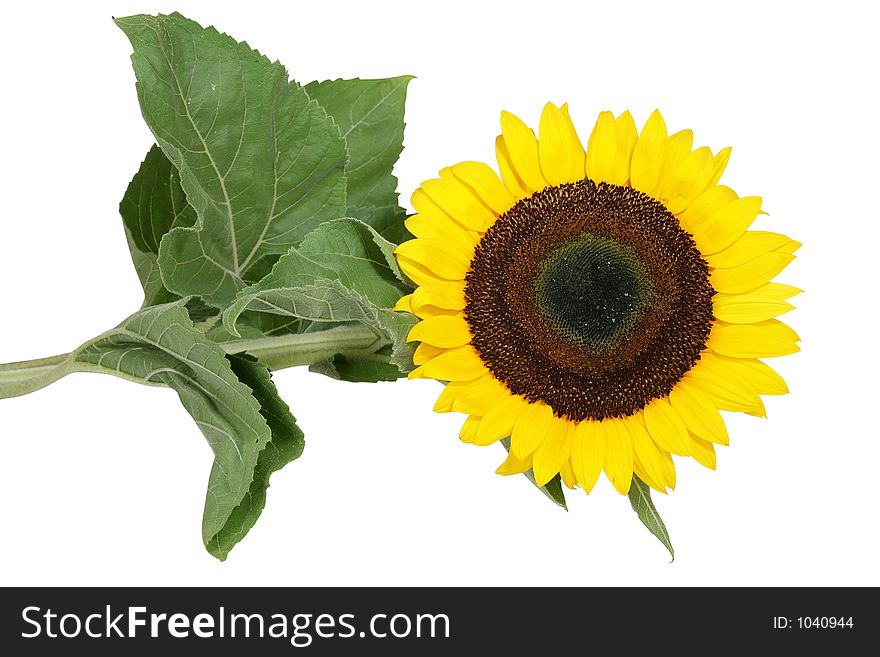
{"points": [[286, 445], [153, 204], [147, 267], [552, 489], [260, 162], [357, 370], [369, 114], [343, 272], [643, 505], [160, 346]]}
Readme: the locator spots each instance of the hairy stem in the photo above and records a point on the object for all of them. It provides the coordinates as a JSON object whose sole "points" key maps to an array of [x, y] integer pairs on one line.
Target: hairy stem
{"points": [[276, 352], [279, 352]]}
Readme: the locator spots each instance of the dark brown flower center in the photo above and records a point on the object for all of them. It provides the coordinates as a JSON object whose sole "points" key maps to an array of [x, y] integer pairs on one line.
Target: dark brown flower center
{"points": [[590, 298]]}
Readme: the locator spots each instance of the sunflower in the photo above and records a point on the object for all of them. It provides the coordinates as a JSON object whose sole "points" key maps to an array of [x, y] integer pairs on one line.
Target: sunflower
{"points": [[597, 306]]}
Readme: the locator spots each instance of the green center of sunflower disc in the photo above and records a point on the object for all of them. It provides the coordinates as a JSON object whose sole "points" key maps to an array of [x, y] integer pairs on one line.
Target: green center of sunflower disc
{"points": [[592, 289]]}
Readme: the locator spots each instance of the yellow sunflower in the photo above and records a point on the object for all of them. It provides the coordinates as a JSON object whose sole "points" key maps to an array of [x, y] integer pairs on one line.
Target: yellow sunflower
{"points": [[599, 306]]}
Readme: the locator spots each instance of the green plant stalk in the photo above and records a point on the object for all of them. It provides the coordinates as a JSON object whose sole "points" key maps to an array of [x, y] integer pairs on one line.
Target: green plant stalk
{"points": [[276, 352]]}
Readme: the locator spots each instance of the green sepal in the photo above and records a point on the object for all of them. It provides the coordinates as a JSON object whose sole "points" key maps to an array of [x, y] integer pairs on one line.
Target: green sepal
{"points": [[643, 505], [552, 489]]}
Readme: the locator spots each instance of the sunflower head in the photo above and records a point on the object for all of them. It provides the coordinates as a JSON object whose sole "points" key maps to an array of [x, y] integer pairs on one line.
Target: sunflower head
{"points": [[598, 306]]}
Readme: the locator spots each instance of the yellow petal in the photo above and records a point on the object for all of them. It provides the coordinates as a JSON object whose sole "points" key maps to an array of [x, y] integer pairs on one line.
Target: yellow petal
{"points": [[523, 149], [554, 452], [779, 291], [752, 244], [647, 157], [579, 157], [588, 453], [687, 180], [404, 304], [446, 398], [668, 469], [472, 397], [500, 418], [763, 378], [517, 188], [445, 331], [719, 164], [751, 275], [726, 373], [705, 206], [700, 414], [460, 364], [469, 429], [429, 300], [486, 184], [602, 149], [566, 473], [647, 458], [666, 427], [760, 340], [448, 175], [419, 274], [438, 256], [759, 410], [443, 230], [514, 465], [425, 352], [618, 455], [726, 225], [459, 202], [722, 387], [554, 145], [531, 428], [645, 475], [747, 308], [561, 155], [703, 452], [675, 149], [439, 226], [626, 134], [430, 219]]}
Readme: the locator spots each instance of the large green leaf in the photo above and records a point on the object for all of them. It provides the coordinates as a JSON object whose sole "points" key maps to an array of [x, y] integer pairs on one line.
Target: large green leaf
{"points": [[261, 163], [643, 505], [153, 204], [232, 400], [369, 114], [286, 445], [159, 345], [343, 272]]}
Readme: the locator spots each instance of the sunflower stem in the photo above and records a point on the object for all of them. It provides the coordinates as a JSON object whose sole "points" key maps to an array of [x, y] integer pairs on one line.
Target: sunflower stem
{"points": [[276, 352], [280, 352]]}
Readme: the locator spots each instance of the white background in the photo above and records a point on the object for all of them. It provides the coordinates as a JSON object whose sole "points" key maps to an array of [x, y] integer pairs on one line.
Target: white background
{"points": [[103, 481]]}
